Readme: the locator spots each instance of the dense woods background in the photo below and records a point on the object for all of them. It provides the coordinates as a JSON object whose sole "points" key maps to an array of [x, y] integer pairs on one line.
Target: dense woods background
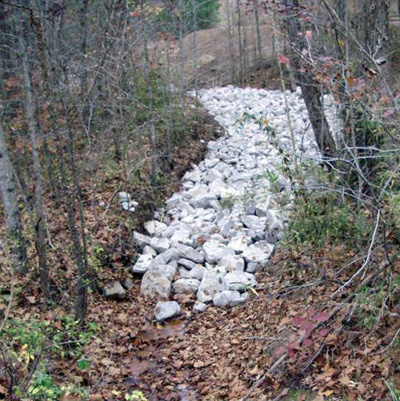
{"points": [[93, 102]]}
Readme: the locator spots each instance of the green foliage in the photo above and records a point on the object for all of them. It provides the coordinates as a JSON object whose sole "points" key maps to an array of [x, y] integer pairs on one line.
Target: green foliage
{"points": [[270, 176], [146, 104], [369, 304], [205, 12], [43, 388], [135, 396], [227, 202], [83, 363], [322, 218], [63, 337], [189, 15], [394, 394], [95, 259]]}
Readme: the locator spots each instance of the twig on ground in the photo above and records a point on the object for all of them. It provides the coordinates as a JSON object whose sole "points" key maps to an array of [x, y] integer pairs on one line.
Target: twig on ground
{"points": [[259, 338], [391, 343], [368, 258]]}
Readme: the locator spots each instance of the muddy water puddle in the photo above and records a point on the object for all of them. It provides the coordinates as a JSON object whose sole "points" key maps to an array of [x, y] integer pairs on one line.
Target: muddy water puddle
{"points": [[145, 358]]}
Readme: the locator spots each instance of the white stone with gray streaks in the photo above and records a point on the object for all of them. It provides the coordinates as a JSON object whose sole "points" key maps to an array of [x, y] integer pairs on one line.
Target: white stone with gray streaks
{"points": [[166, 310], [229, 298]]}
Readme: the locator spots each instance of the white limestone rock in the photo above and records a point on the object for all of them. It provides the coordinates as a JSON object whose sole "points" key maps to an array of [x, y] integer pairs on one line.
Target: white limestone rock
{"points": [[155, 285], [258, 253], [196, 273], [155, 227], [238, 281], [239, 243], [199, 307], [148, 250], [187, 252], [181, 236], [124, 197], [214, 251], [252, 267], [165, 257], [141, 240], [229, 298], [142, 264], [253, 223], [160, 244], [166, 310], [167, 271], [186, 286], [210, 285], [232, 263], [187, 263], [114, 290]]}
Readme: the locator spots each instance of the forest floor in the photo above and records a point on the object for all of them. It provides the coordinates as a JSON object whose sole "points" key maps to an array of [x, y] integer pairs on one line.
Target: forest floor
{"points": [[291, 341]]}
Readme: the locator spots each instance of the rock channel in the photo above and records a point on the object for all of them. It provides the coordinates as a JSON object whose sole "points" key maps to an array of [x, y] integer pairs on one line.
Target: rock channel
{"points": [[223, 225]]}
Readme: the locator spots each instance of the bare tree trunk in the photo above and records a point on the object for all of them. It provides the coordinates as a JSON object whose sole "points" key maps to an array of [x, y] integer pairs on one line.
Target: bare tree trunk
{"points": [[239, 28], [15, 237], [53, 95], [257, 18], [40, 226], [309, 87], [230, 18], [312, 99], [152, 130]]}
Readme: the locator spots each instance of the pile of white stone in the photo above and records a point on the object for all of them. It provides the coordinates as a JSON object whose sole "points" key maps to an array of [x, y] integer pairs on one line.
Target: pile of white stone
{"points": [[222, 226]]}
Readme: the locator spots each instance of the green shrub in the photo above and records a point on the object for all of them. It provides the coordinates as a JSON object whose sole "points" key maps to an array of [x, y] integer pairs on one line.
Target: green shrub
{"points": [[31, 342], [322, 218], [43, 388]]}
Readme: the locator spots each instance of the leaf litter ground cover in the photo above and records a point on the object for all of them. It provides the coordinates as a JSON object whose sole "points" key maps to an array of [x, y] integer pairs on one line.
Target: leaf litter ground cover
{"points": [[289, 336]]}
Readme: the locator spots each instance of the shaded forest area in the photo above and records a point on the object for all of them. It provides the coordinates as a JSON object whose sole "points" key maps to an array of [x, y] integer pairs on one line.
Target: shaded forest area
{"points": [[93, 103]]}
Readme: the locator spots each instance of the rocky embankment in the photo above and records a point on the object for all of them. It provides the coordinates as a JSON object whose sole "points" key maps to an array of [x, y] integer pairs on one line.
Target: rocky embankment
{"points": [[223, 225]]}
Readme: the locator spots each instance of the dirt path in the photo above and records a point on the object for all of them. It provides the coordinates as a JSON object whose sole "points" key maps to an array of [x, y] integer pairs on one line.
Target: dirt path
{"points": [[212, 56]]}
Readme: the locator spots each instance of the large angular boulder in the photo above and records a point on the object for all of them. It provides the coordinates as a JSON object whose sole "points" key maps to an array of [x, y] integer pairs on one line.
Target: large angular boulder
{"points": [[114, 290], [211, 285], [239, 243], [187, 263], [142, 264], [258, 253], [214, 251], [187, 252], [155, 227], [160, 244], [238, 281], [165, 258], [155, 285], [232, 263], [141, 240], [186, 286], [197, 273], [166, 310], [167, 271], [229, 298], [253, 223], [181, 236]]}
